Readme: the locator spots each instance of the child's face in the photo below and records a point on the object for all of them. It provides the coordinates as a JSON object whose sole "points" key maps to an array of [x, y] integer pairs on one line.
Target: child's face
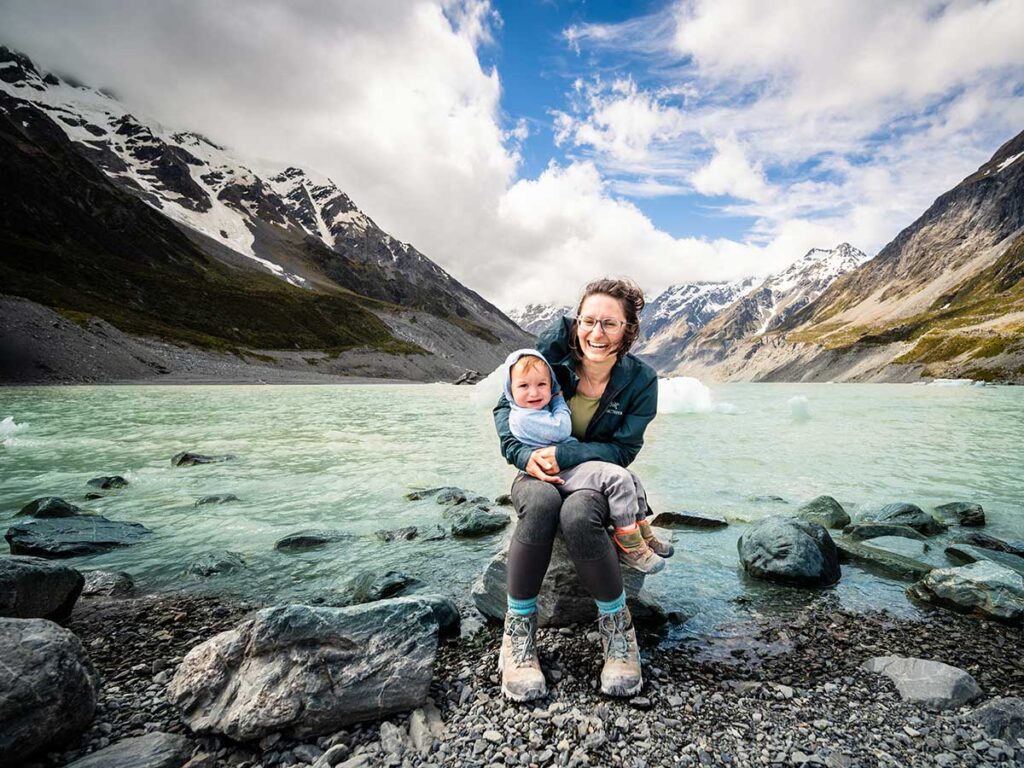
{"points": [[531, 388]]}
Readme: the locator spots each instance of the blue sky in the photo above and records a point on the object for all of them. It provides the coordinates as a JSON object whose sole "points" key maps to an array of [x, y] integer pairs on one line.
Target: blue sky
{"points": [[530, 146]]}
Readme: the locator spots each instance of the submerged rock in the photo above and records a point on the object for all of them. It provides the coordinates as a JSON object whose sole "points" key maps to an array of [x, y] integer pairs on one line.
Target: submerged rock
{"points": [[47, 688], [983, 587], [434, 533], [479, 522], [912, 548], [470, 377], [788, 550], [398, 534], [215, 562], [49, 506], [216, 498], [428, 493], [932, 684], [862, 531], [369, 587], [107, 482], [884, 560], [687, 520], [303, 671], [188, 459], [504, 500], [825, 511], [72, 536], [965, 553], [985, 541], [965, 512], [32, 588], [93, 495], [910, 515], [311, 539], [108, 583], [563, 601], [153, 750]]}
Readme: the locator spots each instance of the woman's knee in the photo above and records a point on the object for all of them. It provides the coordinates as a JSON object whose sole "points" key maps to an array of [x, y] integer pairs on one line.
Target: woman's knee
{"points": [[537, 505], [583, 513]]}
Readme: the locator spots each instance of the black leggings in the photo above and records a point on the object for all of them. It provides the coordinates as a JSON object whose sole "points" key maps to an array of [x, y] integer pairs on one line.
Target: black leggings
{"points": [[583, 517]]}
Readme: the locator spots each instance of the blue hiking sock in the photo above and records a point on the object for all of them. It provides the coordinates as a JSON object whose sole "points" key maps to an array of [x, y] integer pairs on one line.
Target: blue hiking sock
{"points": [[612, 606], [522, 607]]}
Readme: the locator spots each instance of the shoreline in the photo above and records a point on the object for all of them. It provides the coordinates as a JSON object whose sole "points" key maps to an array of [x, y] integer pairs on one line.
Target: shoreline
{"points": [[797, 695]]}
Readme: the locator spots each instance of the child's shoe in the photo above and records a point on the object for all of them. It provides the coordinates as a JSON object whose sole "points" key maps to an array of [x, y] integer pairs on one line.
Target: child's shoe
{"points": [[660, 548], [634, 552]]}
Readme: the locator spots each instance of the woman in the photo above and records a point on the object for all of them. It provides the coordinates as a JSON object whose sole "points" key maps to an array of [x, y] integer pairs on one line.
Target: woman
{"points": [[613, 396]]}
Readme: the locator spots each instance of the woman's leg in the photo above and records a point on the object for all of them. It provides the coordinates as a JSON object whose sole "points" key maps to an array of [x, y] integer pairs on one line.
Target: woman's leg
{"points": [[537, 504], [584, 520]]}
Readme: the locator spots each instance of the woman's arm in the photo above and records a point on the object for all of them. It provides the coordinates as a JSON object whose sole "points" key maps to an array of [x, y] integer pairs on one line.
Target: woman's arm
{"points": [[627, 440]]}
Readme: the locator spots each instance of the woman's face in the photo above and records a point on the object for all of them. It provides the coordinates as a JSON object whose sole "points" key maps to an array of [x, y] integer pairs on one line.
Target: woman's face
{"points": [[597, 345]]}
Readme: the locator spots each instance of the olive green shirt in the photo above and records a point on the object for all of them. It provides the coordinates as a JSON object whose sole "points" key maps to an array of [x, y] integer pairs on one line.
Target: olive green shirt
{"points": [[582, 409]]}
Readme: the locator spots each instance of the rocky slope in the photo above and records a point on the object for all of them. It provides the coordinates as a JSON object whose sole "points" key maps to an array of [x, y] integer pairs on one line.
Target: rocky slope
{"points": [[944, 299], [739, 311], [75, 157]]}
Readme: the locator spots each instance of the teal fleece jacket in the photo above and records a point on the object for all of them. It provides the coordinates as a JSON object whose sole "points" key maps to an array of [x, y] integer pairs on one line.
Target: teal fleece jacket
{"points": [[616, 433]]}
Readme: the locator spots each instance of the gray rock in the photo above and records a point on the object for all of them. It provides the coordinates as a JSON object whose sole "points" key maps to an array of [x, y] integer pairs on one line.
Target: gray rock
{"points": [[49, 506], [504, 500], [72, 536], [47, 688], [687, 520], [108, 482], [983, 540], [451, 493], [861, 531], [965, 553], [434, 533], [825, 511], [788, 550], [903, 513], [107, 583], [932, 684], [563, 601], [215, 498], [188, 459], [398, 534], [32, 588], [1001, 718], [369, 586], [308, 671], [215, 562], [310, 539], [881, 560], [479, 522], [154, 750], [966, 513], [911, 548], [425, 725], [983, 587], [446, 614]]}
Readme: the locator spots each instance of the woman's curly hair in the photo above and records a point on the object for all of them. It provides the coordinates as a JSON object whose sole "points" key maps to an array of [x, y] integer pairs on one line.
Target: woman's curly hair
{"points": [[629, 295]]}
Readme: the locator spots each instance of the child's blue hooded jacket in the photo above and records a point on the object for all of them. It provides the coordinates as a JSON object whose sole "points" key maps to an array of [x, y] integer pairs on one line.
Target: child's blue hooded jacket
{"points": [[537, 427]]}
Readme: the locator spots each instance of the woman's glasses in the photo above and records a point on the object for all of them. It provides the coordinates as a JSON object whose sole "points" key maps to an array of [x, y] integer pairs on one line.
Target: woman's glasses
{"points": [[609, 325]]}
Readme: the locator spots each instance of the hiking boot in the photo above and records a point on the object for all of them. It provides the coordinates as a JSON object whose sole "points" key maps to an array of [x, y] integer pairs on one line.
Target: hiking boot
{"points": [[635, 553], [620, 675], [659, 547], [521, 677]]}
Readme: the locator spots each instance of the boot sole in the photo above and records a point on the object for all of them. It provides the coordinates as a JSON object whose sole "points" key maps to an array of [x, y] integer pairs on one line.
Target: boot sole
{"points": [[658, 567], [625, 692]]}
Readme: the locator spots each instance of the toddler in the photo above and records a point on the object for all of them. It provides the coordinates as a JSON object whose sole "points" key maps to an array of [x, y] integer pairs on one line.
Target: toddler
{"points": [[539, 417]]}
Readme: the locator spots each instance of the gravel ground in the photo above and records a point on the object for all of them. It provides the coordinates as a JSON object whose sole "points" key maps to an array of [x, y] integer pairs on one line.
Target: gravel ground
{"points": [[793, 694]]}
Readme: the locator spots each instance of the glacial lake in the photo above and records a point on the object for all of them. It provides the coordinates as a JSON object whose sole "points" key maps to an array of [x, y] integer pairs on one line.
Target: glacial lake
{"points": [[343, 457]]}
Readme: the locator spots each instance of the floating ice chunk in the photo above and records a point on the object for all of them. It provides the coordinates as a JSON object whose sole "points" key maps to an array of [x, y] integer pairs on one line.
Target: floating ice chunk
{"points": [[486, 391], [951, 383], [684, 394], [798, 408], [9, 428]]}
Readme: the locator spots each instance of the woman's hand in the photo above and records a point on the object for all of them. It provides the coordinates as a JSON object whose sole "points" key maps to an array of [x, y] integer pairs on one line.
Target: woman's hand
{"points": [[544, 466]]}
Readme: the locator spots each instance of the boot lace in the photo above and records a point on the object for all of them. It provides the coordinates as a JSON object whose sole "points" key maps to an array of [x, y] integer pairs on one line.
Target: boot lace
{"points": [[520, 632], [612, 627]]}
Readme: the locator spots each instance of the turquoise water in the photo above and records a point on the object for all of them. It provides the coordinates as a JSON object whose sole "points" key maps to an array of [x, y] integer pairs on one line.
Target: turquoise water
{"points": [[342, 457]]}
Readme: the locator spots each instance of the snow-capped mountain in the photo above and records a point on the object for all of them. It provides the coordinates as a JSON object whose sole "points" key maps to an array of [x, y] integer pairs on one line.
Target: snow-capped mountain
{"points": [[726, 312], [536, 318], [289, 222]]}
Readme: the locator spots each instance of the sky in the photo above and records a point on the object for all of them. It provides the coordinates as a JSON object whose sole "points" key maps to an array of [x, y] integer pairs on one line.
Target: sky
{"points": [[530, 146]]}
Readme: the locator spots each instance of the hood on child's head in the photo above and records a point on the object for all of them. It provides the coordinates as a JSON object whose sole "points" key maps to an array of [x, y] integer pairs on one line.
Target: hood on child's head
{"points": [[514, 358]]}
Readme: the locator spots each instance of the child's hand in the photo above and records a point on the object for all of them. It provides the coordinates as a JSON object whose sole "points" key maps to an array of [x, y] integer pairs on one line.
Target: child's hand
{"points": [[539, 467]]}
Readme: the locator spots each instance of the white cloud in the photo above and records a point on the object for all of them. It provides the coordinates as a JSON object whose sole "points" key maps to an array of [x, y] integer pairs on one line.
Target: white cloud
{"points": [[731, 173]]}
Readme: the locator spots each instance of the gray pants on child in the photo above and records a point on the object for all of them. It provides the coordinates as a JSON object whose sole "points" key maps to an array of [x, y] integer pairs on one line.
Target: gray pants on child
{"points": [[627, 499]]}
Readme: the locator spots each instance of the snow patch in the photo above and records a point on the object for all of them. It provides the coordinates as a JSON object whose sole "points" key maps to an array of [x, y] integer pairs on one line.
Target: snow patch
{"points": [[1009, 161]]}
